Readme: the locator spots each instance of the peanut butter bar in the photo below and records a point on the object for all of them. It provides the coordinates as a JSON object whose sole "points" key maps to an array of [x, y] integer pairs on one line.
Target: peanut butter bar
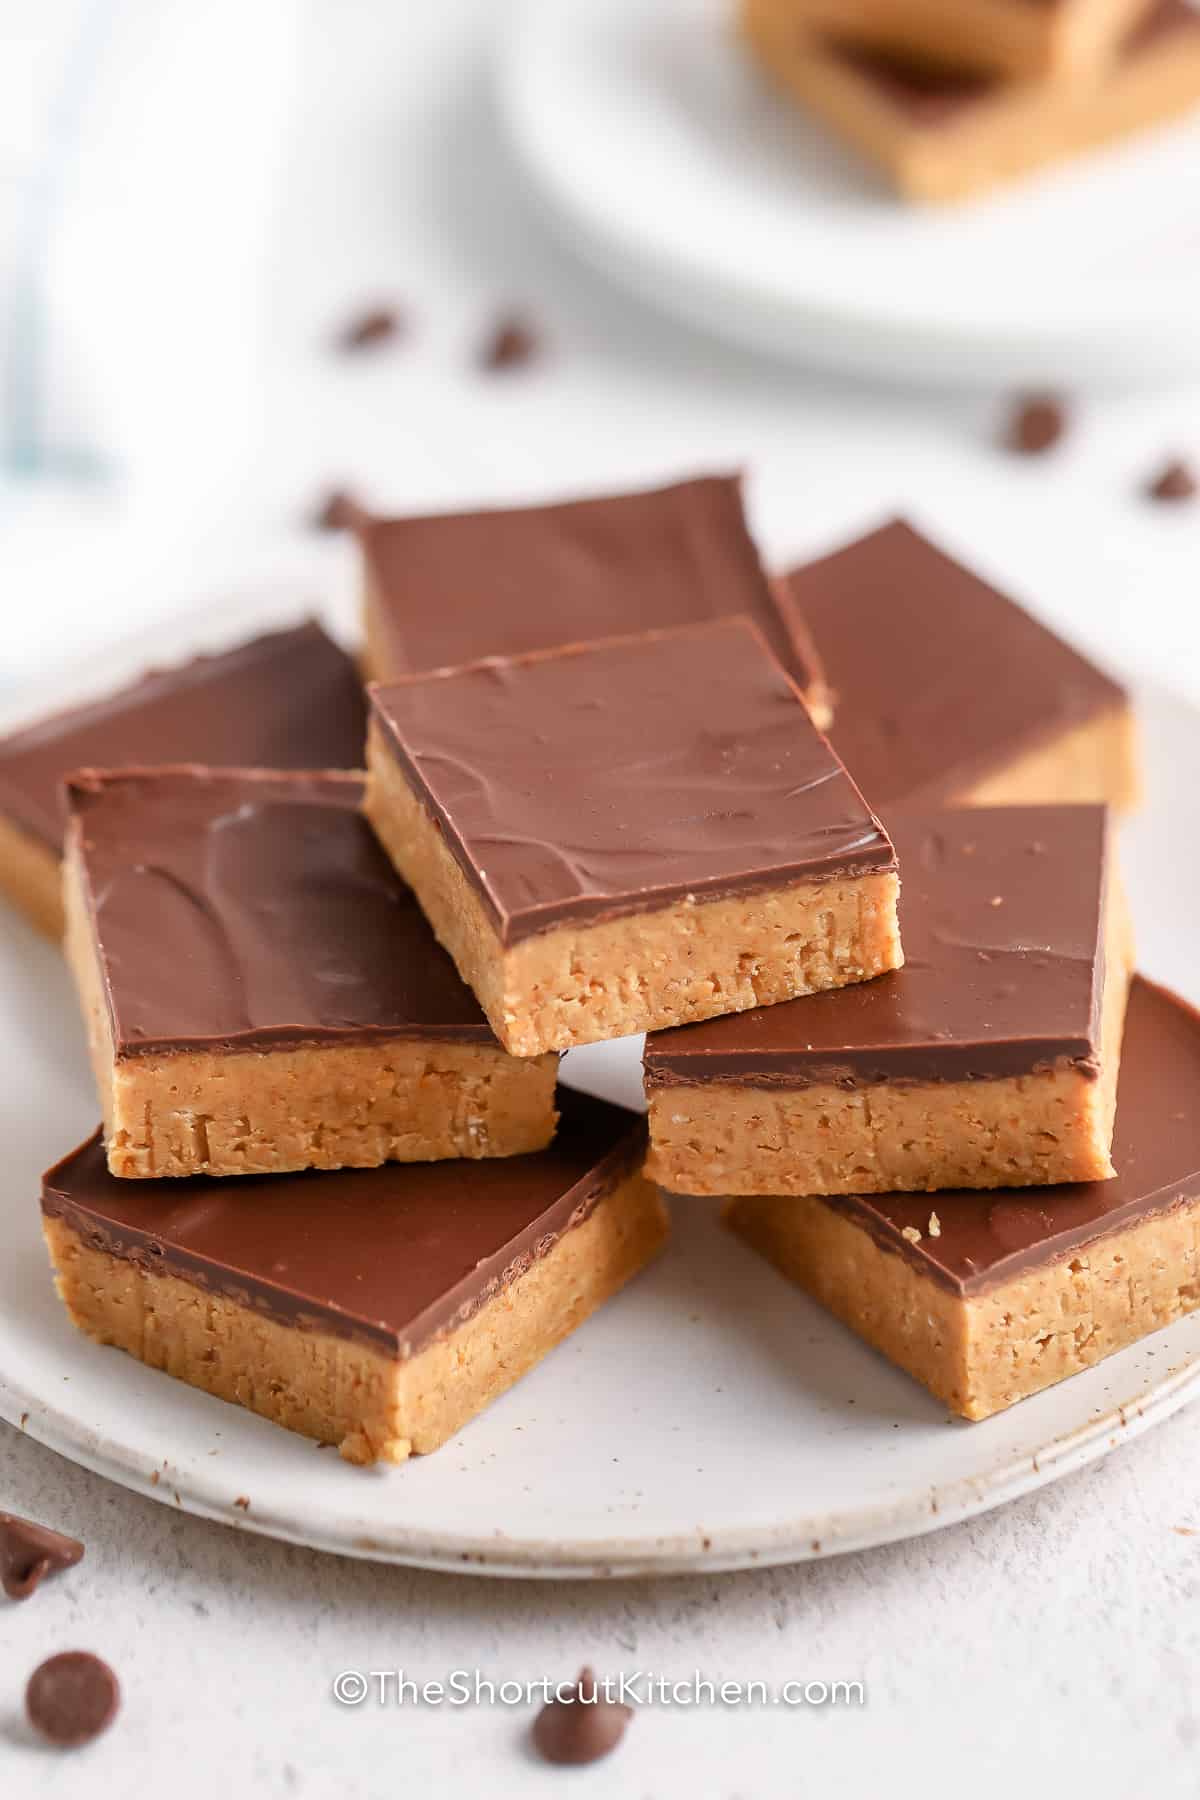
{"points": [[1032, 40], [619, 836], [943, 136], [989, 1060], [948, 693], [377, 1311], [455, 587], [986, 1299], [262, 992], [289, 700]]}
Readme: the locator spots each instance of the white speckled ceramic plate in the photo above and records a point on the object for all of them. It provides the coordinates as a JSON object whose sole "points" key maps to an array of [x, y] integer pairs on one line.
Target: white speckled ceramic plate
{"points": [[668, 164], [710, 1417]]}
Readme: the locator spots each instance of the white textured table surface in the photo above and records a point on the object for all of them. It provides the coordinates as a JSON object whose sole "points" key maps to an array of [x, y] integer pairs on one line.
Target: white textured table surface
{"points": [[1053, 1643]]}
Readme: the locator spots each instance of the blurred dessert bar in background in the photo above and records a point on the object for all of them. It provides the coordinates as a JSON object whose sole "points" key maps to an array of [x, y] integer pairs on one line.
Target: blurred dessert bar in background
{"points": [[1029, 39], [944, 134]]}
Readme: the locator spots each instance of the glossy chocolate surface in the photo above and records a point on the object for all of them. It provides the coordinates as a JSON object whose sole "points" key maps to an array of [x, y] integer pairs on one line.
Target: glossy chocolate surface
{"points": [[1002, 917], [614, 778], [289, 700], [990, 1238], [452, 588], [241, 910], [939, 680], [393, 1256]]}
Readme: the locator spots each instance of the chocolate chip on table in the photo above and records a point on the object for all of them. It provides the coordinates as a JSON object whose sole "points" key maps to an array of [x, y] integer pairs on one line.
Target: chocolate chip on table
{"points": [[584, 1727], [513, 343], [72, 1698], [1176, 480], [375, 325], [337, 511], [1038, 422], [29, 1552]]}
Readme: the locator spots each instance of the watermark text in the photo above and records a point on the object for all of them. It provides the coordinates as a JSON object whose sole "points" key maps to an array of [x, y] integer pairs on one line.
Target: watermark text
{"points": [[639, 1687]]}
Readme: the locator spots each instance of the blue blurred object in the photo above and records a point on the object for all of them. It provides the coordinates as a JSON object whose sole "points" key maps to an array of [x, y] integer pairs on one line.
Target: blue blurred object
{"points": [[72, 43]]}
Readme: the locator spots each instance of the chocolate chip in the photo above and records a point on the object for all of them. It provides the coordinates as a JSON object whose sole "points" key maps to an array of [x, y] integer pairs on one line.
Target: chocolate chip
{"points": [[72, 1698], [338, 511], [512, 344], [1038, 423], [1175, 481], [374, 326], [29, 1552], [581, 1727]]}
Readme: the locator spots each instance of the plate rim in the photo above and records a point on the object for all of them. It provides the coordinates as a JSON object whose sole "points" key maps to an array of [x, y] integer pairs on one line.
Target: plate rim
{"points": [[807, 1538]]}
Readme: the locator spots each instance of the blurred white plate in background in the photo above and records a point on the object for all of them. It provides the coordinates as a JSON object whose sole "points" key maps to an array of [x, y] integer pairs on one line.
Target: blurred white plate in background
{"points": [[710, 1417], [669, 164]]}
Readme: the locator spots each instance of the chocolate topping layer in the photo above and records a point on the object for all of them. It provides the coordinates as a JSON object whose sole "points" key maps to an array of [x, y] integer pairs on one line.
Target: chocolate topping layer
{"points": [[29, 1552], [987, 1239], [291, 700], [619, 777], [244, 910], [458, 586], [939, 679], [394, 1256], [931, 98], [1003, 921]]}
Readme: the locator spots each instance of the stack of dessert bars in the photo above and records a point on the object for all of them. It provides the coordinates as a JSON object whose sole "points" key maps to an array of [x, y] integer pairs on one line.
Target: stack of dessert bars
{"points": [[886, 972], [949, 98]]}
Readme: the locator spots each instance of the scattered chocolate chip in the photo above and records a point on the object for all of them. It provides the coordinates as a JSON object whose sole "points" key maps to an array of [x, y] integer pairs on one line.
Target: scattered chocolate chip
{"points": [[338, 511], [29, 1552], [376, 325], [1175, 481], [512, 344], [581, 1728], [1037, 424], [243, 1501], [72, 1698]]}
